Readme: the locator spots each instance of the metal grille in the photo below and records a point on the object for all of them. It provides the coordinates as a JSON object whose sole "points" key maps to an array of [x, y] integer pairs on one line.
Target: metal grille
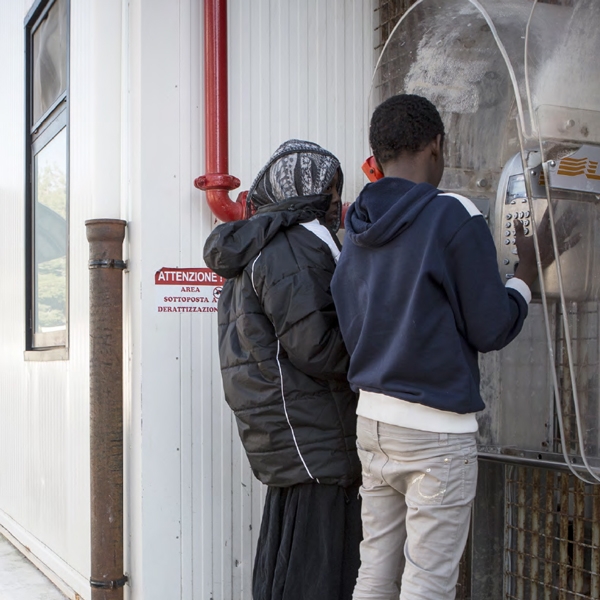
{"points": [[463, 586], [389, 12], [390, 76], [552, 546], [584, 325]]}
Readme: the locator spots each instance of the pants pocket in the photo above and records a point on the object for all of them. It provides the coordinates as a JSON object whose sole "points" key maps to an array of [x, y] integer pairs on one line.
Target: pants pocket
{"points": [[366, 458], [428, 486], [449, 479], [369, 479]]}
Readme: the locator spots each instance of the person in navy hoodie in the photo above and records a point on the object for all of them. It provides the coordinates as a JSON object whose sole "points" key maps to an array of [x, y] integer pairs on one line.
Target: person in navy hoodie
{"points": [[418, 295]]}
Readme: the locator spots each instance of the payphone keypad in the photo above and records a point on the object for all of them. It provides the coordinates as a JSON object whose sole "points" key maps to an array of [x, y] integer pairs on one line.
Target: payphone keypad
{"points": [[516, 206]]}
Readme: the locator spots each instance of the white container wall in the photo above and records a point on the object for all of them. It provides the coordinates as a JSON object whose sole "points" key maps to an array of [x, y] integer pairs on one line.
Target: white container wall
{"points": [[300, 69], [44, 405], [296, 69]]}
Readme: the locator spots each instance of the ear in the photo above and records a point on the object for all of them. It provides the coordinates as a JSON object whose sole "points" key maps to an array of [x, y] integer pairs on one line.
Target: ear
{"points": [[436, 146]]}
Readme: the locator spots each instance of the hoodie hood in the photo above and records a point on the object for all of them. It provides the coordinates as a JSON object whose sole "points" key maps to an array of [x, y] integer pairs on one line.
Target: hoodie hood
{"points": [[231, 246], [385, 208]]}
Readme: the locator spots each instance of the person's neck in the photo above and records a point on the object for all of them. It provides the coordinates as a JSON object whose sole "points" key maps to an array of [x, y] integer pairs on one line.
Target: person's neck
{"points": [[422, 166], [406, 169]]}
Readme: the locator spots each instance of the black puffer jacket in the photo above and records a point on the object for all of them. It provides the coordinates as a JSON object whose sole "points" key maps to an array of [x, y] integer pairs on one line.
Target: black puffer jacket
{"points": [[283, 360]]}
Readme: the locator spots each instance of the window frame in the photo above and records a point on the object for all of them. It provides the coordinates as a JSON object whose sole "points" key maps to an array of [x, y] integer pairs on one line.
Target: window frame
{"points": [[44, 345]]}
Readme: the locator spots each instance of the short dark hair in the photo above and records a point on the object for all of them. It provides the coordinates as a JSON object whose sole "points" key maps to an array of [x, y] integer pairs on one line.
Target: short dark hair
{"points": [[403, 123]]}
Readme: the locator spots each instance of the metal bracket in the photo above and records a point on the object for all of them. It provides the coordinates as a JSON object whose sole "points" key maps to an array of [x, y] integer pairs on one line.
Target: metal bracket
{"points": [[108, 263], [111, 584]]}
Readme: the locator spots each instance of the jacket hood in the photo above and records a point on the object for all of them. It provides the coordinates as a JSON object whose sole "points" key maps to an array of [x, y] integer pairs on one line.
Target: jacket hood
{"points": [[297, 169], [231, 246], [385, 208]]}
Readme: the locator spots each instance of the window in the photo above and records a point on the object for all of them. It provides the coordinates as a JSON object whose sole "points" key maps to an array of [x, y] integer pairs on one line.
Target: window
{"points": [[47, 103]]}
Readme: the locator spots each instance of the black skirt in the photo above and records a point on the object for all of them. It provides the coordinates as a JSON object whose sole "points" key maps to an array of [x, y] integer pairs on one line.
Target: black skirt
{"points": [[308, 548]]}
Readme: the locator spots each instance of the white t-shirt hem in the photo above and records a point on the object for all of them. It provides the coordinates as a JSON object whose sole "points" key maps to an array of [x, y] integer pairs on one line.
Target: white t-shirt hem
{"points": [[393, 411]]}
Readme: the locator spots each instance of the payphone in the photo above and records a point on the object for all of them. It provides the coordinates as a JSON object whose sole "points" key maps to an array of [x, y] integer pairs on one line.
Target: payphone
{"points": [[522, 193], [512, 202], [516, 85]]}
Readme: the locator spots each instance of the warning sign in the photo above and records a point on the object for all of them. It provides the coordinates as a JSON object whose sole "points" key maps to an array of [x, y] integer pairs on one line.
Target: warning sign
{"points": [[187, 290]]}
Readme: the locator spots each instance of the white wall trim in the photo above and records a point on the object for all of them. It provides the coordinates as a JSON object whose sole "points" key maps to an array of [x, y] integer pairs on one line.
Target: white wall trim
{"points": [[63, 576]]}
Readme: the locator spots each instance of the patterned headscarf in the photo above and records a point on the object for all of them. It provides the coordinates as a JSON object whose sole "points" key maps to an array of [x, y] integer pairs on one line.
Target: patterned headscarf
{"points": [[297, 169]]}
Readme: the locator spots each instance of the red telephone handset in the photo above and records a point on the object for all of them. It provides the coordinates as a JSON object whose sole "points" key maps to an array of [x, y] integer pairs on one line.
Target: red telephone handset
{"points": [[371, 170]]}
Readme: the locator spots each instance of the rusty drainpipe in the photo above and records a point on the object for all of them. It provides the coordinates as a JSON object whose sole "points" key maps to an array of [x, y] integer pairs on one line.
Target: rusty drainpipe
{"points": [[105, 237]]}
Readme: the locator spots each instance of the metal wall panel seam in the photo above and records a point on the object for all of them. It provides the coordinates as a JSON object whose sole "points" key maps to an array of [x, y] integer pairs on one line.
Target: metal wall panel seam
{"points": [[134, 490], [185, 175]]}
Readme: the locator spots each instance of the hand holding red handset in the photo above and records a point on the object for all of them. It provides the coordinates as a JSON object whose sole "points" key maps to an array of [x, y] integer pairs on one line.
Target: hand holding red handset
{"points": [[371, 170]]}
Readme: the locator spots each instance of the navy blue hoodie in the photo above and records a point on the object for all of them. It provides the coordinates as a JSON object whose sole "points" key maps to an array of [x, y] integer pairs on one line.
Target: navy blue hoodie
{"points": [[418, 294]]}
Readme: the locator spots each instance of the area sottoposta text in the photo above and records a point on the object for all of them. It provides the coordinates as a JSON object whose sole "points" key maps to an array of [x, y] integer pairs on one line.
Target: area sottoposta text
{"points": [[186, 299]]}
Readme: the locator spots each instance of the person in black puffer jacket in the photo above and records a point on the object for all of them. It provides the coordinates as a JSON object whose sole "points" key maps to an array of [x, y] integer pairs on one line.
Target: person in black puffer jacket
{"points": [[284, 365]]}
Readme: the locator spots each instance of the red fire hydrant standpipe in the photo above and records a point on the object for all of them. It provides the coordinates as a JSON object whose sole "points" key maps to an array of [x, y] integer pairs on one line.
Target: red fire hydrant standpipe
{"points": [[217, 183]]}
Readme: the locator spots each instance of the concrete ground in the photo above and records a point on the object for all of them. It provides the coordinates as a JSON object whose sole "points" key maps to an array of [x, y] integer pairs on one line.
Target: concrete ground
{"points": [[20, 579]]}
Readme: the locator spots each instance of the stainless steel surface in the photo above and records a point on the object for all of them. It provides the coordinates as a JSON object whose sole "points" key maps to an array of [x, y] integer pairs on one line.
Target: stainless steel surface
{"points": [[517, 389]]}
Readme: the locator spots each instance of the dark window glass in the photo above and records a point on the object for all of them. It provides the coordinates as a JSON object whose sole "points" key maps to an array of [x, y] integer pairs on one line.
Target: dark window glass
{"points": [[48, 174], [49, 59]]}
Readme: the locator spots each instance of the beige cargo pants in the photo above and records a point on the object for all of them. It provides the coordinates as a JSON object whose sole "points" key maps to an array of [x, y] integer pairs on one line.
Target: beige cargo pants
{"points": [[417, 492]]}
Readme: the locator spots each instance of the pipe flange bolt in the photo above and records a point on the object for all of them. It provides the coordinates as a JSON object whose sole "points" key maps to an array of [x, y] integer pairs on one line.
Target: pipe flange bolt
{"points": [[216, 181]]}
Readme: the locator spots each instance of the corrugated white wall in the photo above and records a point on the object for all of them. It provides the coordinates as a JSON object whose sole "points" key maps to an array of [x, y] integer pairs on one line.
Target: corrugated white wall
{"points": [[300, 69], [297, 69], [44, 431]]}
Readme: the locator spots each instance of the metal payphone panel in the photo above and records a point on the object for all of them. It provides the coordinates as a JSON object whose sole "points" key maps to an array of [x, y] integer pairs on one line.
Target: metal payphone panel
{"points": [[563, 175], [573, 207], [496, 71], [512, 202]]}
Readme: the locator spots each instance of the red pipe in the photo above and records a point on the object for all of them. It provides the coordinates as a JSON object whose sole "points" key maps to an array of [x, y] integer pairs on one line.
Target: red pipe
{"points": [[217, 183]]}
